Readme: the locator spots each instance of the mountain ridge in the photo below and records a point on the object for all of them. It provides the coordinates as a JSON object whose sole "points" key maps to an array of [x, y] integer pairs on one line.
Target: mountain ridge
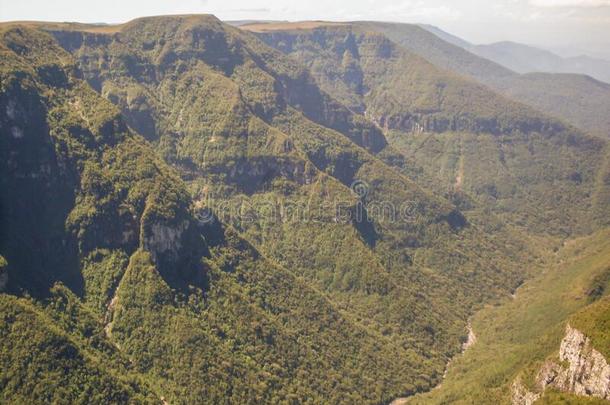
{"points": [[423, 109], [573, 98], [524, 58], [176, 148]]}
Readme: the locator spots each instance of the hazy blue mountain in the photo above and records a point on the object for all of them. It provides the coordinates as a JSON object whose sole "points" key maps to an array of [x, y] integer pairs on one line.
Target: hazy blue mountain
{"points": [[576, 98], [527, 59]]}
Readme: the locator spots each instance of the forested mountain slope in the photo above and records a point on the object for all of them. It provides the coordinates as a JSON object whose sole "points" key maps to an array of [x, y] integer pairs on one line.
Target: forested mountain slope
{"points": [[259, 306], [189, 215], [577, 99], [523, 344], [173, 300], [505, 157], [395, 87]]}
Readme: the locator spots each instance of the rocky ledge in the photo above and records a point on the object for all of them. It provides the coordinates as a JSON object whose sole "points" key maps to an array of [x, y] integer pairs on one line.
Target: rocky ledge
{"points": [[581, 370]]}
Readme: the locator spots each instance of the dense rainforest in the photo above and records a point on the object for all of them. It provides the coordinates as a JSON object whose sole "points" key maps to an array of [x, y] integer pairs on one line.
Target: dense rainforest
{"points": [[194, 212]]}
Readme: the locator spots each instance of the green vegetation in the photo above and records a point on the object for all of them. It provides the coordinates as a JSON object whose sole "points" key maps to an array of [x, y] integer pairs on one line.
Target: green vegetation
{"points": [[515, 338], [298, 149], [498, 155], [45, 363], [515, 177], [590, 111], [594, 322], [398, 89], [122, 205], [154, 169], [554, 397], [577, 99]]}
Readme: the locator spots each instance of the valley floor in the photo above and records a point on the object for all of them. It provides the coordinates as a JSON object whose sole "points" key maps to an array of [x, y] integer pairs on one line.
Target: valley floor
{"points": [[515, 337]]}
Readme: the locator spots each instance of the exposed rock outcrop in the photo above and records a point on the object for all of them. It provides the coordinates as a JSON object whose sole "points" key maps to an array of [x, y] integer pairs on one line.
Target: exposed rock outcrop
{"points": [[164, 239], [471, 340], [586, 371], [521, 395], [583, 371], [251, 174]]}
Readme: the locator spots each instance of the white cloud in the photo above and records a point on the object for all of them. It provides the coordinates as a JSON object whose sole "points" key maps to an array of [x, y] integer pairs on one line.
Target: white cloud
{"points": [[569, 3]]}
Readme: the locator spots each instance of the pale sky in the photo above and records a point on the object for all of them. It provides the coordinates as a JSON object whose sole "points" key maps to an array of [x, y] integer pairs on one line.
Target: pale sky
{"points": [[552, 23]]}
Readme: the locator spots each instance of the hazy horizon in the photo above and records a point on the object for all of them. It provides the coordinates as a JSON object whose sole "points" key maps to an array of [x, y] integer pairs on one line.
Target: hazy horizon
{"points": [[565, 26]]}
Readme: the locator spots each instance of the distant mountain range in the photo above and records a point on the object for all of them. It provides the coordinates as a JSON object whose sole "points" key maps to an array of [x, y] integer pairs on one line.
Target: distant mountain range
{"points": [[529, 59], [575, 98]]}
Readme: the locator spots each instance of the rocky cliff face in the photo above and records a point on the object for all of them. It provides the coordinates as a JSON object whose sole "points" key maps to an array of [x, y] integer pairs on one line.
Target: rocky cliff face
{"points": [[77, 179], [582, 371], [586, 371], [520, 395], [164, 239]]}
